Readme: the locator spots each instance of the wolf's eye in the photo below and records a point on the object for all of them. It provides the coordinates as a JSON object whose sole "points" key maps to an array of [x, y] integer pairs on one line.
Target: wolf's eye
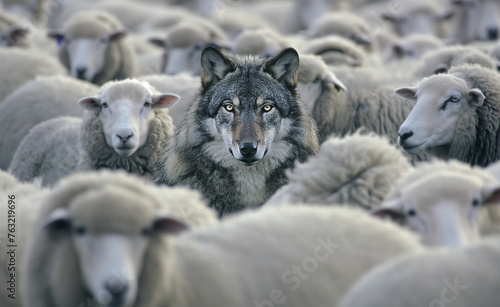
{"points": [[104, 105], [229, 107], [267, 108]]}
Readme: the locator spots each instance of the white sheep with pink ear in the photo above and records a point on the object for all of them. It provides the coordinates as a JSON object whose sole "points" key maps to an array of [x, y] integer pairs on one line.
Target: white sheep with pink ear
{"points": [[445, 203], [125, 127], [99, 239], [456, 116]]}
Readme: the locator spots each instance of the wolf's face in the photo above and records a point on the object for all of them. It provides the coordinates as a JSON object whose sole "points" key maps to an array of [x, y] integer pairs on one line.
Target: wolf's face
{"points": [[248, 105]]}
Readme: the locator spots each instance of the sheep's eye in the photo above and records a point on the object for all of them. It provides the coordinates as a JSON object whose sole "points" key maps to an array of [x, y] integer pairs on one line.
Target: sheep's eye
{"points": [[147, 104], [454, 99], [104, 105], [80, 230], [475, 203], [229, 107], [411, 212], [317, 80], [267, 108]]}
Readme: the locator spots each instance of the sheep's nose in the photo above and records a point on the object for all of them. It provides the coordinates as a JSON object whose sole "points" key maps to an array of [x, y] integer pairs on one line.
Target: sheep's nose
{"points": [[248, 150], [493, 33], [117, 289], [406, 135], [124, 135], [81, 72]]}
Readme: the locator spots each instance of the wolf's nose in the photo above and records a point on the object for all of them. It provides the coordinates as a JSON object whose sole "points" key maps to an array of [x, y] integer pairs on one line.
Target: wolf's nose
{"points": [[248, 149]]}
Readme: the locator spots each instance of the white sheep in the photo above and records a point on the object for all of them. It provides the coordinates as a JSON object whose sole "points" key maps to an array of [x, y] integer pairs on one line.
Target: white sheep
{"points": [[343, 24], [458, 277], [441, 60], [49, 150], [357, 170], [37, 11], [19, 66], [34, 102], [13, 33], [94, 47], [455, 116], [473, 20], [18, 210], [184, 43], [336, 50], [184, 85], [124, 128], [124, 218], [411, 47], [447, 204], [300, 258], [259, 41]]}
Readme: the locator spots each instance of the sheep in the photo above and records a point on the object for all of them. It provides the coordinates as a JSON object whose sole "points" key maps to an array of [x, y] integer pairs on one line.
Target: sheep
{"points": [[34, 102], [123, 128], [94, 47], [19, 66], [474, 20], [423, 17], [494, 53], [458, 277], [446, 203], [342, 107], [184, 85], [357, 170], [412, 47], [185, 42], [343, 24], [259, 41], [455, 116], [37, 11], [276, 256], [124, 216], [441, 60], [19, 208], [49, 151], [336, 50], [12, 32], [233, 22]]}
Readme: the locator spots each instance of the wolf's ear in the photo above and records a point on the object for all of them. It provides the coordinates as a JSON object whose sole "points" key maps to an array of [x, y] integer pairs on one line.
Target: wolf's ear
{"points": [[284, 67], [214, 66]]}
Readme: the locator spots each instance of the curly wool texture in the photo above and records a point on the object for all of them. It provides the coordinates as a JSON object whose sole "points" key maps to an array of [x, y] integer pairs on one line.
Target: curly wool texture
{"points": [[357, 170], [97, 154], [477, 134]]}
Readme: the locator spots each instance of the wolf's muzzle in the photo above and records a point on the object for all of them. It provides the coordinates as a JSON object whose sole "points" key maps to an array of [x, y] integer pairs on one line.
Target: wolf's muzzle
{"points": [[248, 150]]}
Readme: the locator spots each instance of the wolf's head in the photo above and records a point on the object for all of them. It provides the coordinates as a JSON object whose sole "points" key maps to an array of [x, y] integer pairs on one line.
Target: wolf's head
{"points": [[248, 100]]}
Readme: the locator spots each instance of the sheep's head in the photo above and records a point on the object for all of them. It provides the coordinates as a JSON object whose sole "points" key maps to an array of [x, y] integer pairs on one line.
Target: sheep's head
{"points": [[443, 207], [125, 109], [444, 103], [110, 230]]}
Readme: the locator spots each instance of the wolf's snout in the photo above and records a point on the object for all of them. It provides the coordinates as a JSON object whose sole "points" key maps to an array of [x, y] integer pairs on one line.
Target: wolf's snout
{"points": [[248, 150]]}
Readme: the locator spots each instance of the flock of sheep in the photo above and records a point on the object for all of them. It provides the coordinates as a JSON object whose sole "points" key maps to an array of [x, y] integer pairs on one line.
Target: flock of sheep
{"points": [[397, 207]]}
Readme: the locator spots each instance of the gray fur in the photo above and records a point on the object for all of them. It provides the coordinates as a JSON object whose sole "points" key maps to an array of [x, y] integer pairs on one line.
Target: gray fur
{"points": [[36, 101], [198, 156]]}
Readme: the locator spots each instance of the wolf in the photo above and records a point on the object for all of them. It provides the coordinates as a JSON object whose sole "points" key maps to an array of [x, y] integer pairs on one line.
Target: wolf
{"points": [[244, 129]]}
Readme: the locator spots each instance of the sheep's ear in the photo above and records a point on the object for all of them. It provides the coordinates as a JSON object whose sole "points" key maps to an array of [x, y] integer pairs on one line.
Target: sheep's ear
{"points": [[92, 103], [169, 225], [117, 35], [407, 92], [391, 210], [214, 66], [333, 79], [57, 35], [157, 41], [16, 33], [165, 100], [56, 220], [476, 97], [491, 194], [284, 67]]}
